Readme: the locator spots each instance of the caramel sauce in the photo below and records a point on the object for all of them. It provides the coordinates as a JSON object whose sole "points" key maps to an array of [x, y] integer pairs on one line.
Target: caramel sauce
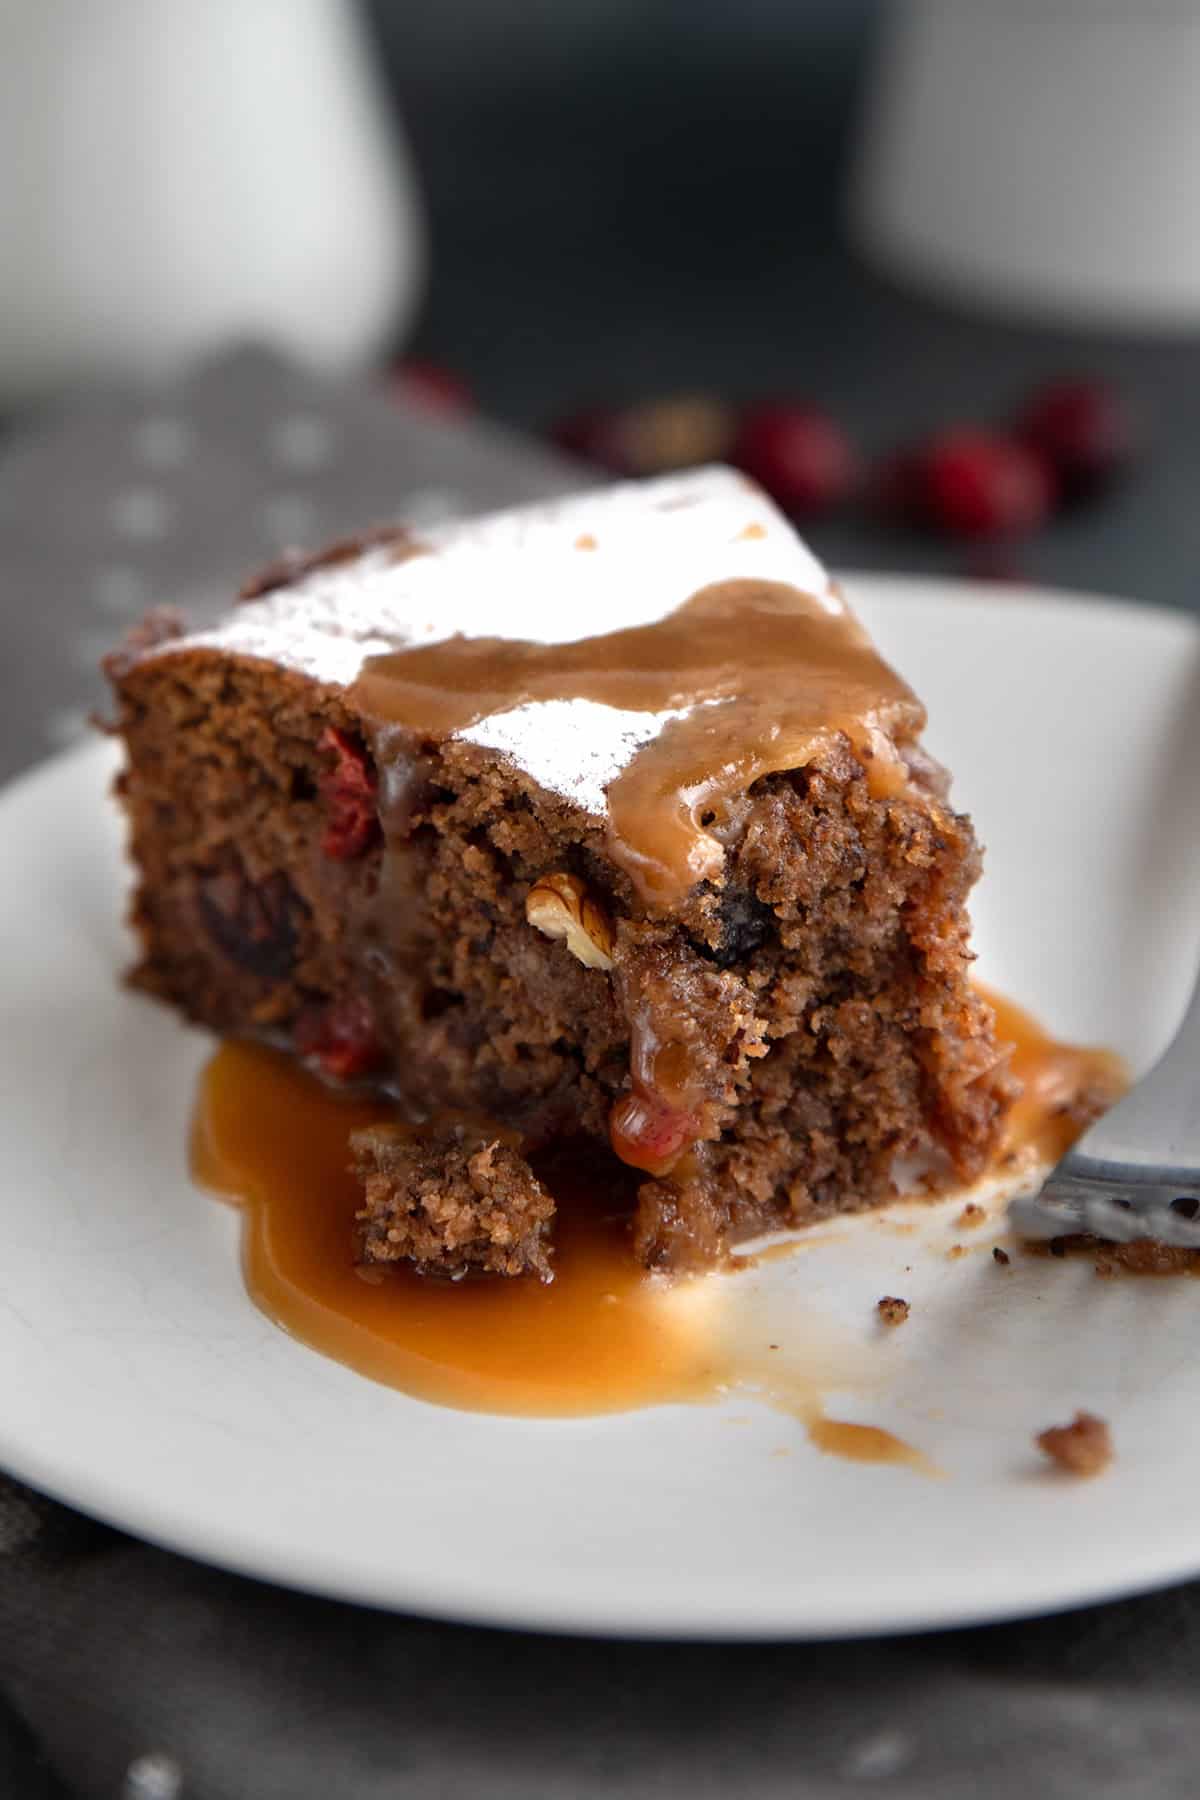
{"points": [[604, 1336], [866, 1443], [769, 673], [1062, 1087]]}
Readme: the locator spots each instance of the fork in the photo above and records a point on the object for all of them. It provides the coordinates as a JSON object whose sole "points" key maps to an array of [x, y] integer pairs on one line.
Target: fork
{"points": [[1135, 1173]]}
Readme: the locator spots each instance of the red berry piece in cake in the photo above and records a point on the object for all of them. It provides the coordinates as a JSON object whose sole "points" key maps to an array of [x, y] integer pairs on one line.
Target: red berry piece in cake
{"points": [[340, 1037], [978, 485], [649, 1134], [800, 455], [1084, 430], [350, 791]]}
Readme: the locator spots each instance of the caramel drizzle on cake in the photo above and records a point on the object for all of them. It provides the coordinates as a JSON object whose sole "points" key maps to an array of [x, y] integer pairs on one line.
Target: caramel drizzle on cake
{"points": [[757, 676]]}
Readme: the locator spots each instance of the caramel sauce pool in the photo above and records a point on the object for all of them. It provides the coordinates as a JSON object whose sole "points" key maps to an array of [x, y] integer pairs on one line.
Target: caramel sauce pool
{"points": [[604, 1336]]}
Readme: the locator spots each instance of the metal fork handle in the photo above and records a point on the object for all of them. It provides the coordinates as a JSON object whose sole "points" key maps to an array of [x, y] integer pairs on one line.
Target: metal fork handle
{"points": [[1068, 1205]]}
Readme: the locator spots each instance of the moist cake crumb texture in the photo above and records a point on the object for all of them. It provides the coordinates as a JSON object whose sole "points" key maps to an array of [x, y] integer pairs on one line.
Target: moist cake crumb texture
{"points": [[450, 1200], [1084, 1447], [568, 906]]}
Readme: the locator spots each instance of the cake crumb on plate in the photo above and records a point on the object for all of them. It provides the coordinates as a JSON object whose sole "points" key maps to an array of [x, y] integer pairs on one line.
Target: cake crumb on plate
{"points": [[1084, 1447]]}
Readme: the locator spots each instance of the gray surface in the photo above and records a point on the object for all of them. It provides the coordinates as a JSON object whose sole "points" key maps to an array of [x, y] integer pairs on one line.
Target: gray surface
{"points": [[135, 500], [115, 1657]]}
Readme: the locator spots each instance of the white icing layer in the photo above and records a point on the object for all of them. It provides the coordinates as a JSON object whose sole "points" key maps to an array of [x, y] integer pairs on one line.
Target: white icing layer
{"points": [[599, 562]]}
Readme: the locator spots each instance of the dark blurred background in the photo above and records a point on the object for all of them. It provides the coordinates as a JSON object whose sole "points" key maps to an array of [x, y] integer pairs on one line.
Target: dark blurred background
{"points": [[634, 196], [631, 198], [623, 201]]}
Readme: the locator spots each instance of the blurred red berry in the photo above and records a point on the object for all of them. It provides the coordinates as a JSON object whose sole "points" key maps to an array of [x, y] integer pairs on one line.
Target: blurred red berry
{"points": [[800, 455], [431, 386], [340, 1037], [977, 485], [1084, 431]]}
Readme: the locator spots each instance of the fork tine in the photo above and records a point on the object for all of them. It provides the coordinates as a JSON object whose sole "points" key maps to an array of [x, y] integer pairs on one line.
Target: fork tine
{"points": [[1108, 1201]]}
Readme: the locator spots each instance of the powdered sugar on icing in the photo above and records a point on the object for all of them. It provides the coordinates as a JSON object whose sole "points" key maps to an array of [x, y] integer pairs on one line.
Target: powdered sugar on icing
{"points": [[600, 562], [572, 747]]}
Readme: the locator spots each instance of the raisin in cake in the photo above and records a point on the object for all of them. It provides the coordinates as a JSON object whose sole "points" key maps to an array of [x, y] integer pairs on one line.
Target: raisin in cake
{"points": [[603, 819]]}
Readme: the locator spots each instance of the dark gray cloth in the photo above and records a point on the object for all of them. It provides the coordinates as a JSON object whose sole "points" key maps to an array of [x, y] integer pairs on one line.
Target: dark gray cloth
{"points": [[149, 1676], [129, 1671]]}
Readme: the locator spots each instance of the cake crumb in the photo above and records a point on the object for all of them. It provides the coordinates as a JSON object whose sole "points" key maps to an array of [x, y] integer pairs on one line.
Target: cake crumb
{"points": [[956, 1250], [450, 1199], [1084, 1447], [1146, 1257], [972, 1215], [892, 1310], [1000, 1256]]}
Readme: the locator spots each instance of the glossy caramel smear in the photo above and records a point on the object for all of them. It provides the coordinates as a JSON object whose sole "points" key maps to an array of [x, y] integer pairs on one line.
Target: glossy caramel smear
{"points": [[1062, 1087], [769, 672], [604, 1336]]}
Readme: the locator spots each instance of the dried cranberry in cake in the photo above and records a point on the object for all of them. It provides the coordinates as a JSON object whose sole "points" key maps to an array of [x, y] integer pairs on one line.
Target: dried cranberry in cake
{"points": [[648, 1134], [693, 1030], [340, 1037], [253, 923], [350, 791]]}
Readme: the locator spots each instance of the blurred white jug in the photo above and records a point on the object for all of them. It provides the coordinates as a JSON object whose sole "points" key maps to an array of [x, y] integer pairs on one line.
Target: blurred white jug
{"points": [[178, 175], [1040, 156]]}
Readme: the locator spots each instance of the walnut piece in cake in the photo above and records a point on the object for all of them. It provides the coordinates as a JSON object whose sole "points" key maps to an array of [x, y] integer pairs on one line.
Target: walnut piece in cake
{"points": [[1084, 1447], [892, 1310], [451, 1199]]}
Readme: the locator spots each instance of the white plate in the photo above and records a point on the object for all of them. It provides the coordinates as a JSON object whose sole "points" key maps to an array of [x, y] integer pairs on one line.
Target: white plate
{"points": [[142, 1385]]}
